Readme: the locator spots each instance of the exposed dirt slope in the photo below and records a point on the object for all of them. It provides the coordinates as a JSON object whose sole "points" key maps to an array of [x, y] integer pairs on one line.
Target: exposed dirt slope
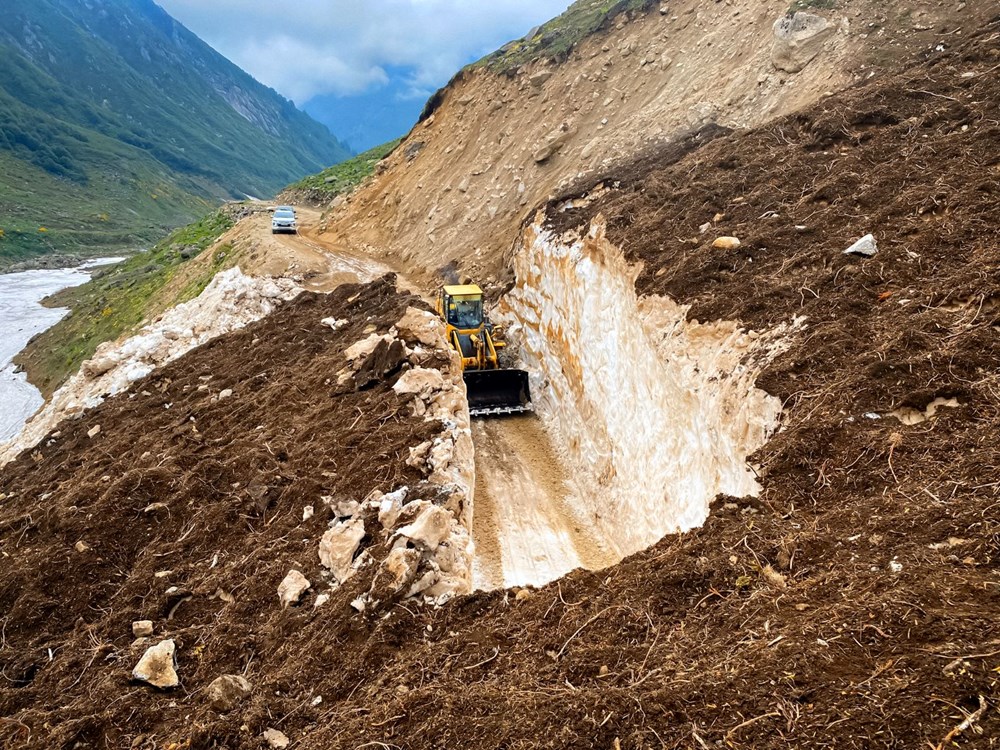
{"points": [[464, 180], [186, 508]]}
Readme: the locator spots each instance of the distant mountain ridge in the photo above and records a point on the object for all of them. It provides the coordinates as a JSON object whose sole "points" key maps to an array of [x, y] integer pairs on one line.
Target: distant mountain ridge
{"points": [[116, 122]]}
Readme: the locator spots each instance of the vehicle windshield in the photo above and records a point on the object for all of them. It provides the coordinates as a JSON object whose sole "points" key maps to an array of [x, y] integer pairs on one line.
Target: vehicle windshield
{"points": [[284, 215], [465, 313]]}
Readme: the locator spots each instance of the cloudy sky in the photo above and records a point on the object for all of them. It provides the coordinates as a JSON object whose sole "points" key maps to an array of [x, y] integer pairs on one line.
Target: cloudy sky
{"points": [[310, 48]]}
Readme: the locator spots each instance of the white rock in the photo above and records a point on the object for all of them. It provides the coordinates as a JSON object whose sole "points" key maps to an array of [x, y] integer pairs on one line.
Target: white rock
{"points": [[337, 548], [389, 509], [397, 572], [424, 326], [335, 324], [797, 40], [94, 431], [429, 528], [420, 381], [291, 589], [866, 246], [366, 346], [275, 739], [307, 513], [142, 628], [225, 393], [156, 666]]}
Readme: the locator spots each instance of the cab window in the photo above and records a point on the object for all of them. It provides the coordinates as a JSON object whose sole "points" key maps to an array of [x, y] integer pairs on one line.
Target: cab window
{"points": [[465, 313]]}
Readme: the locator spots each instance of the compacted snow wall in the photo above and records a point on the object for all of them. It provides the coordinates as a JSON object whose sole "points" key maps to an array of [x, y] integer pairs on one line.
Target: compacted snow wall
{"points": [[654, 415]]}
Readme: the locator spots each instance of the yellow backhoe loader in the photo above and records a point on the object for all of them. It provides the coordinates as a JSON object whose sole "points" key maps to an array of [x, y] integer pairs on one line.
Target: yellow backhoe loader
{"points": [[492, 389]]}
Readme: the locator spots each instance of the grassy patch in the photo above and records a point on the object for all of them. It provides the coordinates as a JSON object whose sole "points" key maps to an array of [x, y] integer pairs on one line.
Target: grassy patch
{"points": [[344, 177], [118, 300], [557, 38]]}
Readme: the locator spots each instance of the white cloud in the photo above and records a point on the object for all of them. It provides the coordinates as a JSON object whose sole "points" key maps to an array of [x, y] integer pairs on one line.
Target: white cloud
{"points": [[313, 47]]}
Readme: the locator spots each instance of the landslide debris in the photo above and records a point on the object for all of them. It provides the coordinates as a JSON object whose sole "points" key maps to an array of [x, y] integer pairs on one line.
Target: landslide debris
{"points": [[852, 605], [185, 512]]}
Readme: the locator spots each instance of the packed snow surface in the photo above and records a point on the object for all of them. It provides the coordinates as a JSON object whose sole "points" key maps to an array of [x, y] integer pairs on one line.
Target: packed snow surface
{"points": [[22, 316], [652, 415]]}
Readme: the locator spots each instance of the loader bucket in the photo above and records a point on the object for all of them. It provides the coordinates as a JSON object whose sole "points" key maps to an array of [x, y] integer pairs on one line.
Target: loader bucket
{"points": [[497, 392]]}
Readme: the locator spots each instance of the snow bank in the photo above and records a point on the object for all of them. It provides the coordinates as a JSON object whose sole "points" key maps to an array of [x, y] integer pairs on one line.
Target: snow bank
{"points": [[231, 301], [654, 415]]}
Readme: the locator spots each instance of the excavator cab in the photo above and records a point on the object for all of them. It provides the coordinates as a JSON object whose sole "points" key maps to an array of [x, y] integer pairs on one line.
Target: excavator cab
{"points": [[491, 388]]}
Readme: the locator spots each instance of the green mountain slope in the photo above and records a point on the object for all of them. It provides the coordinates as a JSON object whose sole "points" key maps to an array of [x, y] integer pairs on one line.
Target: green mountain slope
{"points": [[116, 123]]}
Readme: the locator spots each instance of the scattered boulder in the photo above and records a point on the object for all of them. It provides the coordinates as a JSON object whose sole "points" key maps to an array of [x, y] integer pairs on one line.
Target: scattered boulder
{"points": [[227, 692], [338, 546], [387, 358], [798, 39], [291, 589], [553, 143], [366, 346], [275, 739], [94, 431], [430, 527], [142, 628], [423, 326], [727, 243], [156, 667], [866, 247], [538, 79], [420, 381], [334, 324], [81, 546]]}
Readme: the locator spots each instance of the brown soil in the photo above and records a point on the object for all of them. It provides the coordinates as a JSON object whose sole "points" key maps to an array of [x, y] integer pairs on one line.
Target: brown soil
{"points": [[854, 605], [192, 510]]}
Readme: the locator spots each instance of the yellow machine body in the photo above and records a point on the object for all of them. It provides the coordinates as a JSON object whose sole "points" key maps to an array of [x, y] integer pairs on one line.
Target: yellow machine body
{"points": [[491, 388]]}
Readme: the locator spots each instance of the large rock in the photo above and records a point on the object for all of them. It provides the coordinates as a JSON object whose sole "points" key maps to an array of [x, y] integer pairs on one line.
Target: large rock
{"points": [[291, 589], [227, 692], [156, 666], [423, 326], [366, 346], [798, 39], [420, 381], [553, 143], [430, 527], [337, 548]]}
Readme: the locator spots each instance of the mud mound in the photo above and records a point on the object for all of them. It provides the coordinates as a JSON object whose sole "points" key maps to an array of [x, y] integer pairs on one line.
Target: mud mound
{"points": [[182, 502]]}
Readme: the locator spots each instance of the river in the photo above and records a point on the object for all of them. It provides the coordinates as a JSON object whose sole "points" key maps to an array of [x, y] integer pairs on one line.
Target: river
{"points": [[21, 317]]}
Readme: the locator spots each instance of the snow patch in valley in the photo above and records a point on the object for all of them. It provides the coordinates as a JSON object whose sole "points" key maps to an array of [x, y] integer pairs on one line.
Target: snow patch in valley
{"points": [[22, 316], [230, 302]]}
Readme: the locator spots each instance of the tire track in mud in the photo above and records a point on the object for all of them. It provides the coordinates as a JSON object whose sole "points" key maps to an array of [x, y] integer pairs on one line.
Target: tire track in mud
{"points": [[524, 523]]}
